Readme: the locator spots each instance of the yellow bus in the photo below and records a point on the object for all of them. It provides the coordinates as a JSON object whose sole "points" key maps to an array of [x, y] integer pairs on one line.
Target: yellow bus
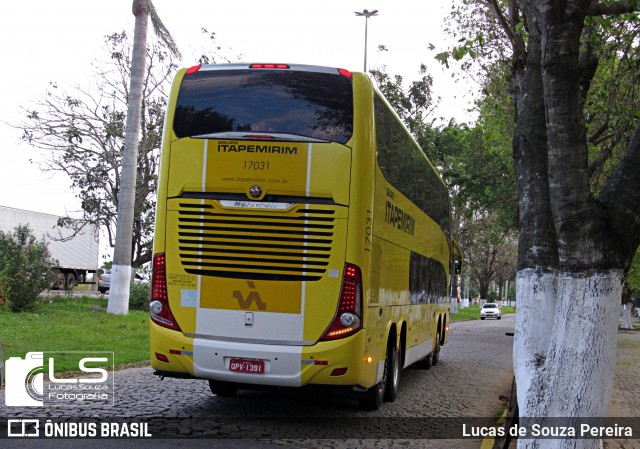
{"points": [[302, 236]]}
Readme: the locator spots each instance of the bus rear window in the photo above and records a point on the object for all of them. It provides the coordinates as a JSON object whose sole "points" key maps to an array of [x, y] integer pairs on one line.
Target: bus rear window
{"points": [[301, 103]]}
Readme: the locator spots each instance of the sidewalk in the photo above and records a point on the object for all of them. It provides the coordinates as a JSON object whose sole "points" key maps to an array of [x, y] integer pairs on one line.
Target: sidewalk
{"points": [[625, 399]]}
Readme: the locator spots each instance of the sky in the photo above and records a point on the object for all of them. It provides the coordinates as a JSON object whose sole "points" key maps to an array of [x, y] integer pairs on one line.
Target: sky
{"points": [[45, 41]]}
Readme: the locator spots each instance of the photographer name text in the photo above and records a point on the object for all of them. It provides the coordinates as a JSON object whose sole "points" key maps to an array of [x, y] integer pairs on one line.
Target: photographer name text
{"points": [[539, 430]]}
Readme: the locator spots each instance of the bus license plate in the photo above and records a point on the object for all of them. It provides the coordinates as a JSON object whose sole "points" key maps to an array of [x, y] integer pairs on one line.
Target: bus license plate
{"points": [[247, 366]]}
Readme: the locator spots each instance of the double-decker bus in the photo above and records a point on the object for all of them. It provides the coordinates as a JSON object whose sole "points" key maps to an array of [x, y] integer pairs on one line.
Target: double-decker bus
{"points": [[302, 236]]}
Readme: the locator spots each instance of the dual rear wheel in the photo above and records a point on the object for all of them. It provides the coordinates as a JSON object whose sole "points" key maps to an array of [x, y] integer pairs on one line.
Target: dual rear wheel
{"points": [[387, 389]]}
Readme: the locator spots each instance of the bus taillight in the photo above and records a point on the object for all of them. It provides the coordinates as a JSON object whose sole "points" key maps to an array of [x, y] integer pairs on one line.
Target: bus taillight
{"points": [[159, 309], [346, 73], [348, 318], [269, 66], [193, 69]]}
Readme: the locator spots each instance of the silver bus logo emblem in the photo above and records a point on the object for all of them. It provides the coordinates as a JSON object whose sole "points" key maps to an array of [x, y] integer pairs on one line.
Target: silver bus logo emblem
{"points": [[255, 192]]}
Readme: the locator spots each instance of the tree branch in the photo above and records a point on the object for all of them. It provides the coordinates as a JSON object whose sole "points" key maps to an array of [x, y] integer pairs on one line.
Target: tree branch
{"points": [[621, 197], [516, 41], [608, 9]]}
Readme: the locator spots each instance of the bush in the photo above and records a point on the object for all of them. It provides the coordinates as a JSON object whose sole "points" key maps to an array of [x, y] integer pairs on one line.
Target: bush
{"points": [[27, 267], [139, 296], [4, 292]]}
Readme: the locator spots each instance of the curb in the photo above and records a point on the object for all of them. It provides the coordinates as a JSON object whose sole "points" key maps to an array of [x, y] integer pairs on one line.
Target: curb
{"points": [[488, 442]]}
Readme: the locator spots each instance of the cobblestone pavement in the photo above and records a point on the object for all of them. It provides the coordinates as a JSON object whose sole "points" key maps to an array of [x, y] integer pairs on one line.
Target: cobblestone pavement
{"points": [[474, 370], [625, 399]]}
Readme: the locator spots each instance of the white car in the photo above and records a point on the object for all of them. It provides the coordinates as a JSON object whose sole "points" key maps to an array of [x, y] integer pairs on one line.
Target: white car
{"points": [[490, 310], [104, 281]]}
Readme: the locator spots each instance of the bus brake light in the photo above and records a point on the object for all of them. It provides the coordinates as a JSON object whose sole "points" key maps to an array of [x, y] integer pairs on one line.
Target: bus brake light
{"points": [[345, 73], [193, 69], [348, 318], [269, 66], [159, 309]]}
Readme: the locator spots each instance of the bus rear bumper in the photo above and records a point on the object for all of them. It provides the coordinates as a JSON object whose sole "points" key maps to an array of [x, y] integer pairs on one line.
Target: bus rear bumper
{"points": [[324, 363]]}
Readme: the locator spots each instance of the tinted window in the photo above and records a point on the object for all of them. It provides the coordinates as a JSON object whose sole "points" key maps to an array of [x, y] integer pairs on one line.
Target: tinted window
{"points": [[405, 166], [427, 280], [310, 104]]}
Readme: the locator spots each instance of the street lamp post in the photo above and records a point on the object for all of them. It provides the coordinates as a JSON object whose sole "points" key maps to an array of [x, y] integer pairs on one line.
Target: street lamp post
{"points": [[366, 14]]}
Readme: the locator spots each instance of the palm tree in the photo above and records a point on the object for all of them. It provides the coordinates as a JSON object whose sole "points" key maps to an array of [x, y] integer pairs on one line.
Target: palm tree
{"points": [[121, 270]]}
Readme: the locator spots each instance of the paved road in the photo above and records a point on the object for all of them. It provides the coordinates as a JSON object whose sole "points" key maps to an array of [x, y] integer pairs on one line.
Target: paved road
{"points": [[474, 370]]}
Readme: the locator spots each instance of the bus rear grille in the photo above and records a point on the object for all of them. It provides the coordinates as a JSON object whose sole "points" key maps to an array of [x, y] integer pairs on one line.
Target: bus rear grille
{"points": [[255, 245]]}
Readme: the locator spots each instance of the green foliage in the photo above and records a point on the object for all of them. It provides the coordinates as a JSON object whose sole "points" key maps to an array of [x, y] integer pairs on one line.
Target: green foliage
{"points": [[139, 295], [481, 41], [4, 292], [414, 104], [479, 170], [490, 35], [26, 266], [632, 280], [612, 106], [491, 252]]}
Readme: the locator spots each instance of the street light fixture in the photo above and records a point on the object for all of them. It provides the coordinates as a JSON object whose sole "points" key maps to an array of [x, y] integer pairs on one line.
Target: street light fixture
{"points": [[366, 14]]}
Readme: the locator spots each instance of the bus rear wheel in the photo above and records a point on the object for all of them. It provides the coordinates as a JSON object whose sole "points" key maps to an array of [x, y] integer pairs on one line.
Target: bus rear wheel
{"points": [[436, 350], [372, 398], [426, 363], [393, 377], [387, 389]]}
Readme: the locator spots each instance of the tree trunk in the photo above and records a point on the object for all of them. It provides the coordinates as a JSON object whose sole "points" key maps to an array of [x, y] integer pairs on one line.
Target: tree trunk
{"points": [[483, 289], [573, 377], [626, 317], [537, 292], [536, 280], [570, 274], [465, 296], [121, 269]]}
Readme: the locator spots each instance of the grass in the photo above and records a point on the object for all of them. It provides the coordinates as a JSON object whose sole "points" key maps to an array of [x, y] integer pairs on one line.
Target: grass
{"points": [[473, 313], [75, 324]]}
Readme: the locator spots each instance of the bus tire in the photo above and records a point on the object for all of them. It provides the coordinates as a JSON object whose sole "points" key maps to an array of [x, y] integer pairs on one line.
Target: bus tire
{"points": [[372, 398], [426, 363], [393, 376], [436, 350], [223, 389]]}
